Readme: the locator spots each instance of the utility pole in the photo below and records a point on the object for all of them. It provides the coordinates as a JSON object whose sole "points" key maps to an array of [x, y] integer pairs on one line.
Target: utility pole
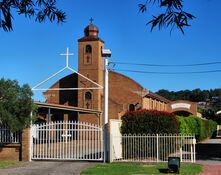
{"points": [[106, 53]]}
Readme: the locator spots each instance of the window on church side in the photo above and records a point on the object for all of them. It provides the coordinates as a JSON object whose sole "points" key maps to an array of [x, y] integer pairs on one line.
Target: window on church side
{"points": [[152, 105], [88, 96], [131, 107], [101, 51], [88, 100], [88, 49]]}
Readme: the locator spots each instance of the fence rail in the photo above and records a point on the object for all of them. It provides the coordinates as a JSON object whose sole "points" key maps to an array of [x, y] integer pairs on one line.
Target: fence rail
{"points": [[7, 136], [152, 148]]}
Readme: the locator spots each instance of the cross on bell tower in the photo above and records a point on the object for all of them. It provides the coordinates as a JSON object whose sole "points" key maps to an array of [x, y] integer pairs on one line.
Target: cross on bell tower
{"points": [[91, 21], [87, 105]]}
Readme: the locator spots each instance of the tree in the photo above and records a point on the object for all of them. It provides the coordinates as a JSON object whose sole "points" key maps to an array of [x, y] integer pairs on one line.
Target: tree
{"points": [[211, 97], [166, 94], [173, 16], [211, 115], [16, 104], [40, 9]]}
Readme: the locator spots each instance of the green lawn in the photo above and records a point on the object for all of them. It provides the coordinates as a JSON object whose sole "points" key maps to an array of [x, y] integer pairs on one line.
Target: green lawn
{"points": [[139, 169], [8, 163]]}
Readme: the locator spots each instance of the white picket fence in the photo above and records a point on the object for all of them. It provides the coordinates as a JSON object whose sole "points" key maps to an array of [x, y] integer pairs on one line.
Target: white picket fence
{"points": [[7, 136], [152, 148]]}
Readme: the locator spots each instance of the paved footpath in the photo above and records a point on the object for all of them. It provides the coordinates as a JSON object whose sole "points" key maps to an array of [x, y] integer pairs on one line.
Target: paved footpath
{"points": [[47, 168], [211, 170], [208, 153]]}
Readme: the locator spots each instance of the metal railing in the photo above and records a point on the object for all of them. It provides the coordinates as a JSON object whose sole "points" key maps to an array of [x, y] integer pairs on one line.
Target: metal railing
{"points": [[152, 148], [7, 136]]}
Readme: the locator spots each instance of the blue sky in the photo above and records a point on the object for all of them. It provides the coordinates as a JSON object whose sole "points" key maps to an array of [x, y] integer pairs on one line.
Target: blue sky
{"points": [[30, 53]]}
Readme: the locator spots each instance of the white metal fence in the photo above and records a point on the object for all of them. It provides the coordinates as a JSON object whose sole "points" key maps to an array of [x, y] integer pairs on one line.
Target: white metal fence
{"points": [[67, 141], [7, 136], [152, 148]]}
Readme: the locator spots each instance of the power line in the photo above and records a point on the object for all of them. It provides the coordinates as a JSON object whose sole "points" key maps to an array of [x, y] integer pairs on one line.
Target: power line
{"points": [[172, 73], [167, 65]]}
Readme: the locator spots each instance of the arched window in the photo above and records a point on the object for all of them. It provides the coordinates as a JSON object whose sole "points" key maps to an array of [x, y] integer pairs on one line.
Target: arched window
{"points": [[88, 100], [131, 107], [88, 49], [88, 96]]}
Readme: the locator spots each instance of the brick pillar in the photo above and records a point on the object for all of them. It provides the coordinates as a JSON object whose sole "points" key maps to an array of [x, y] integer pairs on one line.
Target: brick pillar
{"points": [[65, 117], [26, 144]]}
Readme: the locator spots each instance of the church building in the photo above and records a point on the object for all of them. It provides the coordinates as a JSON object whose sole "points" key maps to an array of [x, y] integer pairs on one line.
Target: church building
{"points": [[86, 105]]}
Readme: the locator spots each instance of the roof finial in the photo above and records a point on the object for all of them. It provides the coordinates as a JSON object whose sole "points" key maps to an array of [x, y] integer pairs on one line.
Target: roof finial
{"points": [[91, 21]]}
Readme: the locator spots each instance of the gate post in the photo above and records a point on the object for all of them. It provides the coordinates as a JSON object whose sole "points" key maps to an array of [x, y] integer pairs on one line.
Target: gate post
{"points": [[26, 148], [111, 148], [157, 148], [181, 153], [194, 149]]}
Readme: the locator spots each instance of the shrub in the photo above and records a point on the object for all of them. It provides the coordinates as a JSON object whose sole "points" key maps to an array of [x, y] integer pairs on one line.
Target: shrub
{"points": [[212, 128], [149, 122], [201, 128], [183, 126]]}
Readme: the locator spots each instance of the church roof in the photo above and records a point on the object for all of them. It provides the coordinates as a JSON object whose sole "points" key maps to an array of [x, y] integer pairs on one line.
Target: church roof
{"points": [[66, 108], [91, 34], [143, 92], [91, 28], [156, 96]]}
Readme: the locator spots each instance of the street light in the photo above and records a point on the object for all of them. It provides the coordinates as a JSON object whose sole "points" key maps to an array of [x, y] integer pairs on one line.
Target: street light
{"points": [[106, 53]]}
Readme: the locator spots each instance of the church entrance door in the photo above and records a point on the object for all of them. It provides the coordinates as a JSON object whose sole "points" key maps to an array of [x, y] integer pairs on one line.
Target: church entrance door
{"points": [[66, 141]]}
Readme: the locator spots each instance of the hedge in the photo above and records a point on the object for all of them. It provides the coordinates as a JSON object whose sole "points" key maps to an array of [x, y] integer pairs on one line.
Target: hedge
{"points": [[201, 128], [212, 128], [159, 122], [149, 122]]}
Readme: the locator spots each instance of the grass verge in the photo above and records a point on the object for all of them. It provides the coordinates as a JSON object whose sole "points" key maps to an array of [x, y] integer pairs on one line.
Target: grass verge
{"points": [[8, 163], [139, 169]]}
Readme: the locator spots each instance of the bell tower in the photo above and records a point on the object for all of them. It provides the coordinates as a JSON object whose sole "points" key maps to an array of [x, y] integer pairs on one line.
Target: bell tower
{"points": [[91, 65]]}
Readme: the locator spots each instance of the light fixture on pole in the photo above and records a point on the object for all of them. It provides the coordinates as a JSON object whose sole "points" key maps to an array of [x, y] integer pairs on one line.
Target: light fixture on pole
{"points": [[106, 53]]}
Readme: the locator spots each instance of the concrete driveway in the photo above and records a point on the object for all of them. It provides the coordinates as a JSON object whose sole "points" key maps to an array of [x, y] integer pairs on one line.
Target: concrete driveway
{"points": [[208, 153], [47, 168]]}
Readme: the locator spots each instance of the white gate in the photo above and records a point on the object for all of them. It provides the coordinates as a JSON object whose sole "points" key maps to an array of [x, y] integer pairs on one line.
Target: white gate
{"points": [[67, 141]]}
